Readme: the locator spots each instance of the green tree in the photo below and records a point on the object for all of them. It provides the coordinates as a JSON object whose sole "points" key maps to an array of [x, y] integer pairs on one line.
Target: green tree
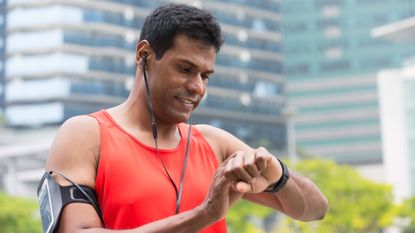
{"points": [[19, 215], [409, 229], [406, 211], [357, 205]]}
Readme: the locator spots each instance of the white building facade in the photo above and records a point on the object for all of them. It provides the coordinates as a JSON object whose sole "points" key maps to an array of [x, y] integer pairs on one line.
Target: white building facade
{"points": [[397, 111], [396, 88]]}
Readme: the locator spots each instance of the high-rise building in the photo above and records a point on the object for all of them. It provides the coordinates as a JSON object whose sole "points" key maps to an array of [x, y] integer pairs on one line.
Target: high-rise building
{"points": [[330, 62], [397, 112], [396, 95], [246, 95], [73, 57], [3, 9]]}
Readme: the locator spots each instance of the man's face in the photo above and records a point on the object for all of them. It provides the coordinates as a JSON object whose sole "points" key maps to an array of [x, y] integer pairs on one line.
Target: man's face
{"points": [[179, 79]]}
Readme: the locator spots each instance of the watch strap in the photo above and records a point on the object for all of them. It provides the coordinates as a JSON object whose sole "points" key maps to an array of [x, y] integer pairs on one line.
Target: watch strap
{"points": [[281, 182]]}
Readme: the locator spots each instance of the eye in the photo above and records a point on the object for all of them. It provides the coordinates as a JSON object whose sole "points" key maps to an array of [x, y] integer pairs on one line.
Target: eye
{"points": [[205, 77], [185, 70]]}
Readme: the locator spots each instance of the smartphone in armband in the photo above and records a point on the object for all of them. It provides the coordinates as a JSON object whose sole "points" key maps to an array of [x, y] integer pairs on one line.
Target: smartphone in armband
{"points": [[53, 198]]}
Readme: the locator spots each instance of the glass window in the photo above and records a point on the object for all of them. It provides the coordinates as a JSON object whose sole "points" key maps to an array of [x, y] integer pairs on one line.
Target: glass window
{"points": [[253, 63], [110, 64], [98, 40], [92, 87], [112, 18], [335, 66], [256, 43]]}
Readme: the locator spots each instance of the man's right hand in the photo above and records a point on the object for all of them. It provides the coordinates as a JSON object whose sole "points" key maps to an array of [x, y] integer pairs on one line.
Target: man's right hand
{"points": [[222, 194]]}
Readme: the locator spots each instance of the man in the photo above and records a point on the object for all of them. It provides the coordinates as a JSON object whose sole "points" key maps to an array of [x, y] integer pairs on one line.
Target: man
{"points": [[153, 173]]}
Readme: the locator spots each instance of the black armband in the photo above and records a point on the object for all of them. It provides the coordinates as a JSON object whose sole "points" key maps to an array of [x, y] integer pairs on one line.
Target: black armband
{"points": [[53, 198]]}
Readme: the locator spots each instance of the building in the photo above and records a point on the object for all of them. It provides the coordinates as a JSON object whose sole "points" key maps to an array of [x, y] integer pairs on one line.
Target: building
{"points": [[3, 5], [22, 158], [331, 62], [397, 108], [79, 57], [71, 57]]}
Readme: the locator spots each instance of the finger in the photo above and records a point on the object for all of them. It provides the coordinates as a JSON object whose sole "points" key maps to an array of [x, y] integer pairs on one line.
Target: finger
{"points": [[226, 161], [228, 171], [243, 187], [261, 158], [239, 170], [231, 156], [219, 176], [250, 164]]}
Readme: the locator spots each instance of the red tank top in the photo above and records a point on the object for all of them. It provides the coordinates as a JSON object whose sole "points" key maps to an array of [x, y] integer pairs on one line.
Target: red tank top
{"points": [[132, 187]]}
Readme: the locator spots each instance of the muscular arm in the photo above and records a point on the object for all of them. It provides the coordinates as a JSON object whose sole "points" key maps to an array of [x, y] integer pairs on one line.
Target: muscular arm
{"points": [[75, 153], [300, 198], [82, 220]]}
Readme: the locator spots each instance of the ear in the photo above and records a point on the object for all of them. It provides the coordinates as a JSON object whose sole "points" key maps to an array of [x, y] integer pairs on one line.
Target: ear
{"points": [[143, 50]]}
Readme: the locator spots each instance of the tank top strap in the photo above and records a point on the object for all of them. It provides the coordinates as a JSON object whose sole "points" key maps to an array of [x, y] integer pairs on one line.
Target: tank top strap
{"points": [[102, 118]]}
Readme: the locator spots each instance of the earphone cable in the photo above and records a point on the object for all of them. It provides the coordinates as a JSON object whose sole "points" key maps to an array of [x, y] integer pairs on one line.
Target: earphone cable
{"points": [[155, 137]]}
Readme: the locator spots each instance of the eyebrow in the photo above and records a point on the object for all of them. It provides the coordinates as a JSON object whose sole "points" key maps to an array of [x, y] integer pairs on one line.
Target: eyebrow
{"points": [[194, 65]]}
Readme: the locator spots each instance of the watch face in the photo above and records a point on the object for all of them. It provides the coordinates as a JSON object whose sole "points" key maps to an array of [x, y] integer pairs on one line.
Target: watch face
{"points": [[45, 205]]}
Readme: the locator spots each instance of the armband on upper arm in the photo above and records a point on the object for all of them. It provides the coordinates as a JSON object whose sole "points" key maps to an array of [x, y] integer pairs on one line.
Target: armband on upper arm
{"points": [[53, 198]]}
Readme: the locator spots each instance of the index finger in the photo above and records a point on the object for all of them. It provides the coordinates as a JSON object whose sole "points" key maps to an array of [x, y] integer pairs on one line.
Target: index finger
{"points": [[261, 155]]}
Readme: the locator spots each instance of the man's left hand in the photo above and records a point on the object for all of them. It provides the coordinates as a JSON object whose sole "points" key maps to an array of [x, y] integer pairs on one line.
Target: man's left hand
{"points": [[253, 171]]}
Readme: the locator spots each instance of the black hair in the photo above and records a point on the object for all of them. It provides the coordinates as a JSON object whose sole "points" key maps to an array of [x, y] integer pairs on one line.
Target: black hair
{"points": [[167, 21]]}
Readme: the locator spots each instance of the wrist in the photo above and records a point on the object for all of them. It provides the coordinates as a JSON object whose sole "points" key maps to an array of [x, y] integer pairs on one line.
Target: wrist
{"points": [[206, 218], [193, 220], [277, 186]]}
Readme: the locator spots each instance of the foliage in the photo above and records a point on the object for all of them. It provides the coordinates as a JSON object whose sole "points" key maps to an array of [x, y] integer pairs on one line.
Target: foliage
{"points": [[409, 229], [357, 205], [239, 218], [406, 211], [19, 215]]}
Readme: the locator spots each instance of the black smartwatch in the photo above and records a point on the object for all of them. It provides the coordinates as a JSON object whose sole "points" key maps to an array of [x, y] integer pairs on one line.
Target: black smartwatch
{"points": [[281, 182]]}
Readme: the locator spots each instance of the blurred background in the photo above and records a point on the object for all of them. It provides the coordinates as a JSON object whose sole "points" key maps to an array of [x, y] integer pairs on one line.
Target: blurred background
{"points": [[327, 85]]}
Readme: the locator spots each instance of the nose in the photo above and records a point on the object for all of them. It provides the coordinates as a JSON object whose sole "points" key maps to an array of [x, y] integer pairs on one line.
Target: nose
{"points": [[197, 85]]}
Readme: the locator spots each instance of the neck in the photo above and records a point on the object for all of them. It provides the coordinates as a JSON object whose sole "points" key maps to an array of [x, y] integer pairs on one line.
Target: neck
{"points": [[134, 114]]}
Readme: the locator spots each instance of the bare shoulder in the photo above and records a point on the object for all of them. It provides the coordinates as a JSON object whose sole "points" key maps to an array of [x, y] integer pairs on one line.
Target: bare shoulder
{"points": [[210, 131], [75, 150], [222, 142]]}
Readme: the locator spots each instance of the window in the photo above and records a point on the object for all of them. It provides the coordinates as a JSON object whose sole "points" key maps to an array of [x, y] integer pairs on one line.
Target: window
{"points": [[380, 61], [296, 27], [301, 68], [333, 53], [322, 3], [335, 66], [330, 11], [332, 32]]}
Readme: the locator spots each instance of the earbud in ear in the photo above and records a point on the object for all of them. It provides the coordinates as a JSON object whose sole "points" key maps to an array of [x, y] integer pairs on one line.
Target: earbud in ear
{"points": [[144, 60]]}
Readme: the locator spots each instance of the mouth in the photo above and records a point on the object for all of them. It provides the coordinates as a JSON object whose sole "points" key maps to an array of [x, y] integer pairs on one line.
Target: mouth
{"points": [[188, 102]]}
